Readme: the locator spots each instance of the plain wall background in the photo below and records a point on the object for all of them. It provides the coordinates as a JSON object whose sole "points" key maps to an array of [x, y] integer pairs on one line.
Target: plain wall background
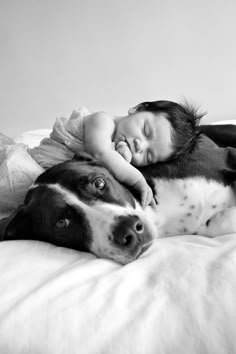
{"points": [[58, 55]]}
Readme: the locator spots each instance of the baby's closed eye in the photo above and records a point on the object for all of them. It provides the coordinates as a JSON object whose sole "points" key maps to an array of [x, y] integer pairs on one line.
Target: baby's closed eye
{"points": [[146, 129]]}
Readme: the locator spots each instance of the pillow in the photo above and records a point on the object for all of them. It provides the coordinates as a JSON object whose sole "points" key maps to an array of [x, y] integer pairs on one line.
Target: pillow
{"points": [[32, 138]]}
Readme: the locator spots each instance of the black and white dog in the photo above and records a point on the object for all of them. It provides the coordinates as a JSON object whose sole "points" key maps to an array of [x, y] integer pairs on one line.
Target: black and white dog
{"points": [[78, 204]]}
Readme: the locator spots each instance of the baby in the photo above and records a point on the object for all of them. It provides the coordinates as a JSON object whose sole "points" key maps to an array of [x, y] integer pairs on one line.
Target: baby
{"points": [[151, 132]]}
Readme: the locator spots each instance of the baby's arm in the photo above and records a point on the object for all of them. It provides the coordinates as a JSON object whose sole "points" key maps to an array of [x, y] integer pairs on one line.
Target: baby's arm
{"points": [[127, 174], [99, 128]]}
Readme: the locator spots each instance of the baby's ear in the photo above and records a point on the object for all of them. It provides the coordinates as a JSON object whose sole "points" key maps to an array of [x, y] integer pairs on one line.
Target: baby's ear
{"points": [[132, 110], [140, 107]]}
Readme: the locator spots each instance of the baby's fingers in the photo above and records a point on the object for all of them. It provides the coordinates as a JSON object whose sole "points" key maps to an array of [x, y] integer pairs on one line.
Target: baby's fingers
{"points": [[146, 198], [153, 202], [149, 198]]}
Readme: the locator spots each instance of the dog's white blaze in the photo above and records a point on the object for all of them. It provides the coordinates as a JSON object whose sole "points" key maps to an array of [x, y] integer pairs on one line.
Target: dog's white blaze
{"points": [[94, 216], [101, 216]]}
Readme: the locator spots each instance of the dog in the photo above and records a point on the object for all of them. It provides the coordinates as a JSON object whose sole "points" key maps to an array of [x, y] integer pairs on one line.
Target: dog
{"points": [[79, 204]]}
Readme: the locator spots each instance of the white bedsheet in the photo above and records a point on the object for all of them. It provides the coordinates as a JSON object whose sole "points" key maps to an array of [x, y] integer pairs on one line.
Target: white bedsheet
{"points": [[179, 297]]}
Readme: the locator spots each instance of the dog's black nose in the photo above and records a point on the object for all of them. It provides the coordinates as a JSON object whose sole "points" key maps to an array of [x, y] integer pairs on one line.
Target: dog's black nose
{"points": [[128, 231]]}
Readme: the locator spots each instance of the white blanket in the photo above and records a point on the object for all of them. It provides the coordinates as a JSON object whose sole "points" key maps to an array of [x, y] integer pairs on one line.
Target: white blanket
{"points": [[178, 297], [18, 170]]}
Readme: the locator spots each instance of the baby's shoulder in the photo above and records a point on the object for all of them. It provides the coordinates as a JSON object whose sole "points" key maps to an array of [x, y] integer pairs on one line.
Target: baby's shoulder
{"points": [[101, 115], [100, 119]]}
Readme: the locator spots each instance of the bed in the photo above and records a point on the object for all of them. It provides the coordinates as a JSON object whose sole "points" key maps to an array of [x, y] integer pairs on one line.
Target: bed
{"points": [[178, 297]]}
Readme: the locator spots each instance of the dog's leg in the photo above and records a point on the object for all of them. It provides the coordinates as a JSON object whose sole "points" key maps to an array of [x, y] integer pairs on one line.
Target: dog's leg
{"points": [[221, 223]]}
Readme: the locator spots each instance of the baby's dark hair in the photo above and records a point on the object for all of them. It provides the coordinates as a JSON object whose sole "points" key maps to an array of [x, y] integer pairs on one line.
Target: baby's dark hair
{"points": [[184, 120]]}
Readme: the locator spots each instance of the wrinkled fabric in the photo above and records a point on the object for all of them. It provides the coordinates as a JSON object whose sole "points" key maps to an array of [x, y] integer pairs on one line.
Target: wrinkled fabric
{"points": [[21, 164], [18, 170], [5, 140], [66, 138], [178, 297]]}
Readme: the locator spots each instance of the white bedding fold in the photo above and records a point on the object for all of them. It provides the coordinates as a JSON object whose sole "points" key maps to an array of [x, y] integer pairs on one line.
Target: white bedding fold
{"points": [[18, 170], [180, 296]]}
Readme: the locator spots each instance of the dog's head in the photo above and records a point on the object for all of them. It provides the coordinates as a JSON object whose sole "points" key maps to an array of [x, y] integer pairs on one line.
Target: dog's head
{"points": [[78, 204]]}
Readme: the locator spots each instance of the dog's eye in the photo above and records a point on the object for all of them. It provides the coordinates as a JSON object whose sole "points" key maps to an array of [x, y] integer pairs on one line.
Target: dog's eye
{"points": [[62, 223], [99, 183]]}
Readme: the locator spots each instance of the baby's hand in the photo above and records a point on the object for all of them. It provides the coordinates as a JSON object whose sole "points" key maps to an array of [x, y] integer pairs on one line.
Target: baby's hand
{"points": [[145, 191], [124, 150]]}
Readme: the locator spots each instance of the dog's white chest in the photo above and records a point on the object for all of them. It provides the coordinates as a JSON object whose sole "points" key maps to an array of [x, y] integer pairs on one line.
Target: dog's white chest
{"points": [[184, 205]]}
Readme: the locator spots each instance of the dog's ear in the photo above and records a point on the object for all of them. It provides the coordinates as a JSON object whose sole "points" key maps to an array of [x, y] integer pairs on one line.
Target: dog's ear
{"points": [[16, 226]]}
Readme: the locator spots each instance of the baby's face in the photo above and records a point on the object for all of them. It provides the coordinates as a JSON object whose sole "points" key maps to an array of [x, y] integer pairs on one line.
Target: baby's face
{"points": [[148, 136]]}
